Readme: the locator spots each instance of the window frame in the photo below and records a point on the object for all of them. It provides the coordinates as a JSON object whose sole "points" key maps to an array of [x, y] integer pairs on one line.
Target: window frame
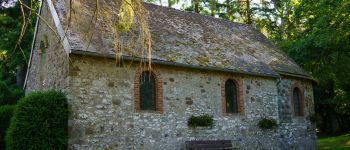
{"points": [[239, 95], [300, 88], [158, 91]]}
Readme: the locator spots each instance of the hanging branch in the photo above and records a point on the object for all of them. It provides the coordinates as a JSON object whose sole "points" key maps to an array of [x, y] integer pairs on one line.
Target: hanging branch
{"points": [[132, 17]]}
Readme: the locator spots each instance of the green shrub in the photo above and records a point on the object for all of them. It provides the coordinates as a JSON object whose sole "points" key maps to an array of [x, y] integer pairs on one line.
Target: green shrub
{"points": [[5, 117], [39, 121], [267, 123], [200, 121]]}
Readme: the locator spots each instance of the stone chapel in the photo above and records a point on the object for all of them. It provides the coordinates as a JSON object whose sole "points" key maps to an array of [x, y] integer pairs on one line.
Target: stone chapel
{"points": [[200, 65]]}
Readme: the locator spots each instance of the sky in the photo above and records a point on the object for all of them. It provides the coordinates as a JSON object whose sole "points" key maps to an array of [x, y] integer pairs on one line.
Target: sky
{"points": [[185, 3], [7, 4]]}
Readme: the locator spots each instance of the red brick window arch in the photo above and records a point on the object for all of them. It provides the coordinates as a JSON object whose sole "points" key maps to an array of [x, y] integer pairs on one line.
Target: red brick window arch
{"points": [[148, 91], [232, 96], [297, 99]]}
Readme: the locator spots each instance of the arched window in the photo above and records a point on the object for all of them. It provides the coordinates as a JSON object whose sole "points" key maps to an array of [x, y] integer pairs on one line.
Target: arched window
{"points": [[42, 53], [42, 60], [297, 102], [44, 44], [231, 96], [147, 91]]}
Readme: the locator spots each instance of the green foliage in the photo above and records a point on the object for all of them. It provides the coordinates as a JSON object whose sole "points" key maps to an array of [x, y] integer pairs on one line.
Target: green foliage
{"points": [[126, 16], [267, 123], [200, 121], [11, 57], [321, 45], [9, 94], [10, 29], [39, 121], [5, 117]]}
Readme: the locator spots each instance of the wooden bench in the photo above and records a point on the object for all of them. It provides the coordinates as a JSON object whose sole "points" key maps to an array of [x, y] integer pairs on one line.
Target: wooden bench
{"points": [[209, 145]]}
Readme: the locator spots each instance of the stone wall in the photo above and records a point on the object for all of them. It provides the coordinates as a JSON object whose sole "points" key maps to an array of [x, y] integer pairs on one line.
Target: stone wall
{"points": [[296, 132], [101, 96], [48, 70]]}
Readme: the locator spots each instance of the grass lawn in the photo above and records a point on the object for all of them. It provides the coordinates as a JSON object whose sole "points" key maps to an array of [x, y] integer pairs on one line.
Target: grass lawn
{"points": [[340, 142]]}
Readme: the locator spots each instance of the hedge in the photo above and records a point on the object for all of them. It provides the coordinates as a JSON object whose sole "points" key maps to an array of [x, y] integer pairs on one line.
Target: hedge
{"points": [[5, 117], [39, 121]]}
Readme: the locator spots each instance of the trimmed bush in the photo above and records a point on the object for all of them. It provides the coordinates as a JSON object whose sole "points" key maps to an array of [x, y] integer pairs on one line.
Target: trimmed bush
{"points": [[200, 121], [5, 117], [267, 123], [40, 121]]}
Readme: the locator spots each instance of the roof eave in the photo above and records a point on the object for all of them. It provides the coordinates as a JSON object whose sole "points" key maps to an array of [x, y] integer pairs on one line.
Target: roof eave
{"points": [[32, 46], [300, 76], [206, 68], [168, 63]]}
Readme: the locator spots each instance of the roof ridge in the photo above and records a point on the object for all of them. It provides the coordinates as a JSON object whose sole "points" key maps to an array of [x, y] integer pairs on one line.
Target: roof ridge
{"points": [[198, 14]]}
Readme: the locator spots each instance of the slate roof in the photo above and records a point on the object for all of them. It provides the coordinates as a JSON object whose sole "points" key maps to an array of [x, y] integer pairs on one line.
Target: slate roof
{"points": [[191, 39]]}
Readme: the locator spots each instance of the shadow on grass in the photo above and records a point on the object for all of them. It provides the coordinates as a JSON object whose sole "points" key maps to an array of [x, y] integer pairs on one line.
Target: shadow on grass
{"points": [[341, 142]]}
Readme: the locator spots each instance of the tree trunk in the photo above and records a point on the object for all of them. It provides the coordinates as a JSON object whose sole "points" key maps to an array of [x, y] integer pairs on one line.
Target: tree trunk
{"points": [[21, 71], [229, 10], [196, 5], [282, 25], [334, 123], [245, 11], [212, 7], [249, 13], [169, 3]]}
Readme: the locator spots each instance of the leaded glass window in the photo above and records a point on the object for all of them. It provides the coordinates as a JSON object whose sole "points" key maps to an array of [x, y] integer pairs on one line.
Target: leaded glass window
{"points": [[297, 102], [231, 96], [147, 91]]}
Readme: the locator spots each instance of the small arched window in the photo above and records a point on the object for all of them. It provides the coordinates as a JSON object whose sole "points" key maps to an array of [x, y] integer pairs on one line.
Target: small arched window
{"points": [[231, 96], [44, 44], [147, 91], [42, 54], [42, 60], [297, 102]]}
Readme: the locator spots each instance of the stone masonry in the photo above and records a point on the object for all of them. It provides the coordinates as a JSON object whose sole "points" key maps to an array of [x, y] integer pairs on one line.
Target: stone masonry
{"points": [[103, 111]]}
